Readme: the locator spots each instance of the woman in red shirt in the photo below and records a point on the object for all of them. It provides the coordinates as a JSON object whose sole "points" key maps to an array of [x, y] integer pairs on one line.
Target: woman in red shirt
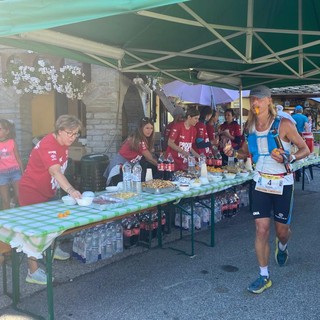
{"points": [[182, 137], [229, 132], [137, 147], [203, 144]]}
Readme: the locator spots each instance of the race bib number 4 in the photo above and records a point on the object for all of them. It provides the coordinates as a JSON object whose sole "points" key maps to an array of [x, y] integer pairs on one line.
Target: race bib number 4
{"points": [[270, 184]]}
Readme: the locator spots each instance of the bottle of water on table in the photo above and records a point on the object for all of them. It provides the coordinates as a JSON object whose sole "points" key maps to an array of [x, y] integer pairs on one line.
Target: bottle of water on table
{"points": [[127, 177], [136, 178]]}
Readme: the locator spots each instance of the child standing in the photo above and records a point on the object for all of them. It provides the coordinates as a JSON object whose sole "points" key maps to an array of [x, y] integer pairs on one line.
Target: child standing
{"points": [[10, 163]]}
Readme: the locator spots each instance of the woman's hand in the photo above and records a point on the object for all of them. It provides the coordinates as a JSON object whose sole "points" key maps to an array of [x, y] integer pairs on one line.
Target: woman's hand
{"points": [[277, 154], [75, 194]]}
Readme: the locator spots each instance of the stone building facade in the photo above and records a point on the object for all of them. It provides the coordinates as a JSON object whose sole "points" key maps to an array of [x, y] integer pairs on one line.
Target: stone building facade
{"points": [[112, 105]]}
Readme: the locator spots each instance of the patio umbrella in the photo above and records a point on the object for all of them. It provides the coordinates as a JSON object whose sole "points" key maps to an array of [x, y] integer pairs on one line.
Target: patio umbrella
{"points": [[199, 93]]}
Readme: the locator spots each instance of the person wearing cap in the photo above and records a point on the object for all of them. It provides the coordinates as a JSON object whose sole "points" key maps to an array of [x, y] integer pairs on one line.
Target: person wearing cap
{"points": [[283, 114], [300, 119], [272, 180], [302, 126], [178, 115]]}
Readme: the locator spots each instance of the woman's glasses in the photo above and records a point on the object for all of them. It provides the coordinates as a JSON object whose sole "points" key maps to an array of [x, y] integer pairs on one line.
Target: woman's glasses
{"points": [[71, 134]]}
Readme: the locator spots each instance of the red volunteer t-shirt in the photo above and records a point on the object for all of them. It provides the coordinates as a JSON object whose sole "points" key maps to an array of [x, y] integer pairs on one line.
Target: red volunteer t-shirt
{"points": [[130, 154], [36, 184], [184, 138], [203, 134]]}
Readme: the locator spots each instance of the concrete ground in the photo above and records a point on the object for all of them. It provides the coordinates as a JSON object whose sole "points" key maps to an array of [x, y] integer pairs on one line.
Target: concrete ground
{"points": [[166, 284]]}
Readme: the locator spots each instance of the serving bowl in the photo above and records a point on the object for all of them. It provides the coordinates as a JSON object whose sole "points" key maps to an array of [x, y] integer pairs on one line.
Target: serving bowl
{"points": [[215, 178], [196, 184], [243, 174], [84, 201], [229, 176], [184, 187], [69, 201], [88, 194]]}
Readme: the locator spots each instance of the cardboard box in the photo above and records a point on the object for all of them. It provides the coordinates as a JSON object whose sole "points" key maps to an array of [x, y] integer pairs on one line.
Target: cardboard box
{"points": [[76, 153]]}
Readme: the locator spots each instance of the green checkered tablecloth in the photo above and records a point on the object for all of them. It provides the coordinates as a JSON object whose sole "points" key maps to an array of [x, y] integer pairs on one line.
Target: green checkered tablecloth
{"points": [[33, 228], [306, 162]]}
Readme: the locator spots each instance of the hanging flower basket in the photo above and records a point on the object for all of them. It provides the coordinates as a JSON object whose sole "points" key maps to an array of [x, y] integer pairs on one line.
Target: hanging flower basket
{"points": [[69, 80]]}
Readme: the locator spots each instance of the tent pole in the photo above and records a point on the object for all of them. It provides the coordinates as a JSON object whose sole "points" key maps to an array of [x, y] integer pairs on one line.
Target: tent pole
{"points": [[240, 105]]}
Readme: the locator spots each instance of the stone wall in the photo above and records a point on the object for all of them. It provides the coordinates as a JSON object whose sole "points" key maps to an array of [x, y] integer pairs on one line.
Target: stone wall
{"points": [[112, 111]]}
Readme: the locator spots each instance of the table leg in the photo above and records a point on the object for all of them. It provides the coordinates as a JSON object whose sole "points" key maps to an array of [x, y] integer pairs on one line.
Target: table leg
{"points": [[49, 283], [15, 277], [212, 219], [159, 227], [192, 227]]}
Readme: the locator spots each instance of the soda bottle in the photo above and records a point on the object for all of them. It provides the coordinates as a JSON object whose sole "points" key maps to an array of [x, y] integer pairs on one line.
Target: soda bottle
{"points": [[160, 166], [170, 167], [165, 172], [210, 159], [127, 177]]}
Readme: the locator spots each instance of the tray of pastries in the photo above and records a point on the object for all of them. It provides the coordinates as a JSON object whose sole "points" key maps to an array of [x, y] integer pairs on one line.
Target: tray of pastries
{"points": [[158, 186]]}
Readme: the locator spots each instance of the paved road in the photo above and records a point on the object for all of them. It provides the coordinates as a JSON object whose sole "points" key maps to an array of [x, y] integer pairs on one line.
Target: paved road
{"points": [[165, 284]]}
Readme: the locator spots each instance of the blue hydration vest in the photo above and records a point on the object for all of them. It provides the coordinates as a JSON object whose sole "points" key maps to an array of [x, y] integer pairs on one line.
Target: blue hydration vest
{"points": [[252, 139]]}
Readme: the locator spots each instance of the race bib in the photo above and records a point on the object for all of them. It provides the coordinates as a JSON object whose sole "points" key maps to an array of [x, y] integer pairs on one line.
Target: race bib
{"points": [[270, 184]]}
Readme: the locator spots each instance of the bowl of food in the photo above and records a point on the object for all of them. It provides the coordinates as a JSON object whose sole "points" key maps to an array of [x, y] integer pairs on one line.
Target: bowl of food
{"points": [[84, 201], [196, 184], [215, 178], [243, 174], [184, 187], [229, 175], [69, 201]]}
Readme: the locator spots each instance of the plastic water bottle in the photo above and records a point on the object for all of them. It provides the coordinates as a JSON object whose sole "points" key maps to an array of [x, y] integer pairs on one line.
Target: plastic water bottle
{"points": [[95, 245], [136, 178], [107, 245], [191, 164], [75, 245], [113, 238], [127, 177], [88, 247], [119, 237]]}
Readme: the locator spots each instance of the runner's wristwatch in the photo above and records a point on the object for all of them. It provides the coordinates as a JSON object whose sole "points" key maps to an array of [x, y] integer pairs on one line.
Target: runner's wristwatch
{"points": [[293, 158]]}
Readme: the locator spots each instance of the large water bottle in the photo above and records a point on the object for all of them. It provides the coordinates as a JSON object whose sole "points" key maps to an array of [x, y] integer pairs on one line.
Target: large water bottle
{"points": [[119, 237], [113, 238], [82, 246], [95, 245], [191, 164], [88, 247], [109, 250], [136, 178], [127, 177], [75, 245]]}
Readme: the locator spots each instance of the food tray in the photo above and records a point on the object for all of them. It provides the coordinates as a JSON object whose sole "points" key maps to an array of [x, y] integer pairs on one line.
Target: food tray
{"points": [[104, 202], [158, 190]]}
